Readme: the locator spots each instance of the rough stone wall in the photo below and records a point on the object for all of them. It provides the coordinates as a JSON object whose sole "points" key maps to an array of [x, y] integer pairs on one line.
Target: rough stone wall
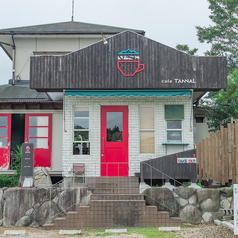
{"points": [[196, 205], [92, 161], [37, 206]]}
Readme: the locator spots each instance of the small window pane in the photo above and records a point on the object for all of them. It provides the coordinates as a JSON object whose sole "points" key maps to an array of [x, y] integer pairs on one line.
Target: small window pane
{"points": [[39, 142], [199, 119], [38, 121], [114, 126], [3, 121], [146, 118], [174, 112], [81, 112], [38, 132], [174, 136], [174, 125], [147, 142], [81, 136], [3, 142], [81, 148], [3, 131], [81, 123]]}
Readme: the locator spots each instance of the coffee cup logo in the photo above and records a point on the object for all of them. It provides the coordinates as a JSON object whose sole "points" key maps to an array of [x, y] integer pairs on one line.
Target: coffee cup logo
{"points": [[129, 62]]}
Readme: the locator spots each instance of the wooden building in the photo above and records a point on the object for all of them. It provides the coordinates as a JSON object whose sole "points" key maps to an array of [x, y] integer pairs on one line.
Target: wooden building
{"points": [[126, 98]]}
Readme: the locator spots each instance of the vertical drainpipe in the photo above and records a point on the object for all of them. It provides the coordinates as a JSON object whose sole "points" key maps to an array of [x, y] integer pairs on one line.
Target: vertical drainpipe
{"points": [[13, 59]]}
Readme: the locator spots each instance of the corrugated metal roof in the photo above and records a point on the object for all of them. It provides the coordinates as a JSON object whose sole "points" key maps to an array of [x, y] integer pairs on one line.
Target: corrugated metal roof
{"points": [[10, 92], [71, 27]]}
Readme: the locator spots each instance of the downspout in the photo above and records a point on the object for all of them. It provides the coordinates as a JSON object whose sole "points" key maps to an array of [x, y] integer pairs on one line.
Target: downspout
{"points": [[191, 112], [64, 110], [13, 59]]}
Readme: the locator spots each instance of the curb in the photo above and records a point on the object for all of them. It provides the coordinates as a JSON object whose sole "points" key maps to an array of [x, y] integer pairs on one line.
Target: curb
{"points": [[225, 224]]}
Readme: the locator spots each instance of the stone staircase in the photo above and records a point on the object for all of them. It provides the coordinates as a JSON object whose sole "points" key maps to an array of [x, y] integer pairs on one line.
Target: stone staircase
{"points": [[116, 202]]}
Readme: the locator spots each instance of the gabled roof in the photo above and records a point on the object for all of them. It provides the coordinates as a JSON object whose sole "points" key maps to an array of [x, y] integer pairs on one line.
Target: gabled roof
{"points": [[20, 93], [66, 28], [102, 66]]}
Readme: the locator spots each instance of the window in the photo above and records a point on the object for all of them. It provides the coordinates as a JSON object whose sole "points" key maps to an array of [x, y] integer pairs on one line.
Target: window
{"points": [[174, 131], [38, 131], [174, 114], [81, 144], [147, 134], [199, 119]]}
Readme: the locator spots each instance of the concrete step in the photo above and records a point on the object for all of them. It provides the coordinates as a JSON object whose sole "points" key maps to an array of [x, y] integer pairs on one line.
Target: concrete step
{"points": [[117, 197], [117, 191]]}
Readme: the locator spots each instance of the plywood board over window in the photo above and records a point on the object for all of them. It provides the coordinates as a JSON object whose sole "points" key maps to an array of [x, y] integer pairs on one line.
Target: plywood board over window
{"points": [[147, 135]]}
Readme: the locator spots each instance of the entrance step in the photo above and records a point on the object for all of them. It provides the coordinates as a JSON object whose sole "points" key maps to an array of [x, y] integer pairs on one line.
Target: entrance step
{"points": [[115, 207]]}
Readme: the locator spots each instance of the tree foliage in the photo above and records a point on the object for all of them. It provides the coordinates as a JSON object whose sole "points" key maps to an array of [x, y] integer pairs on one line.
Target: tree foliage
{"points": [[223, 105], [223, 34], [186, 49]]}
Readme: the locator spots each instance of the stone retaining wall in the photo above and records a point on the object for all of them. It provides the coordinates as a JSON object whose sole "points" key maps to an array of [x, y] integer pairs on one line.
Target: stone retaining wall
{"points": [[37, 206], [193, 205]]}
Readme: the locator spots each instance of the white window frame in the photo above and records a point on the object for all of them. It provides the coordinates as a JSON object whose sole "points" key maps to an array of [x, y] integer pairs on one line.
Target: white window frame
{"points": [[180, 130], [88, 130]]}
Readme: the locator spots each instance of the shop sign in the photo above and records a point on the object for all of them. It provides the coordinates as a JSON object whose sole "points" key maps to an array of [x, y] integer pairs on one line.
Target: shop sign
{"points": [[186, 160], [27, 160], [129, 62]]}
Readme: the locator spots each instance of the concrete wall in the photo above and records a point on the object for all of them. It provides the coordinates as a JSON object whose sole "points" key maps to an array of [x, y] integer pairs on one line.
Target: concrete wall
{"points": [[200, 129], [25, 47], [92, 161]]}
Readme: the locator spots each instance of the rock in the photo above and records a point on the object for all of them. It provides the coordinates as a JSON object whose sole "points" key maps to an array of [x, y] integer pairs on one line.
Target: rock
{"points": [[23, 200], [217, 216], [175, 195], [41, 177], [143, 187], [225, 204], [1, 203], [208, 199], [192, 200], [183, 202], [207, 216], [46, 213], [185, 192], [191, 214], [29, 212], [24, 221], [162, 198], [71, 198], [34, 224], [226, 192]]}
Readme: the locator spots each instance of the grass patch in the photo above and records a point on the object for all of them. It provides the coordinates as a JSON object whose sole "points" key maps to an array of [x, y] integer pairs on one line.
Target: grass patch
{"points": [[148, 232]]}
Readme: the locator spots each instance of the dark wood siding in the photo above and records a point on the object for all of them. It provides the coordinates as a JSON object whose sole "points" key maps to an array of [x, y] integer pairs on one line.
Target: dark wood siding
{"points": [[166, 167], [95, 67]]}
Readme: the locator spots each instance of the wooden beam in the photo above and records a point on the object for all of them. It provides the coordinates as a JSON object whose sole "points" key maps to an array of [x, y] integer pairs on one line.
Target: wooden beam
{"points": [[236, 153], [203, 160], [199, 160], [225, 160]]}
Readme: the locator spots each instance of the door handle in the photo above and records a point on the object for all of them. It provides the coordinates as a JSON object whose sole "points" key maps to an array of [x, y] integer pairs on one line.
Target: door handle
{"points": [[103, 145]]}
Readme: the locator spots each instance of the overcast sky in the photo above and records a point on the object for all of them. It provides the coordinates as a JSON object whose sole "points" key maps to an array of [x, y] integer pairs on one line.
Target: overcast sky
{"points": [[169, 22]]}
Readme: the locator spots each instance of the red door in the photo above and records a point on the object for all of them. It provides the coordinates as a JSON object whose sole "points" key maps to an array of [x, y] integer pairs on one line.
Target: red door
{"points": [[38, 130], [114, 141], [5, 138]]}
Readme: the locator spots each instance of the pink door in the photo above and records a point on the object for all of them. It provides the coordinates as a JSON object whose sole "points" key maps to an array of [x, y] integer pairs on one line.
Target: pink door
{"points": [[5, 138], [114, 141], [38, 130]]}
